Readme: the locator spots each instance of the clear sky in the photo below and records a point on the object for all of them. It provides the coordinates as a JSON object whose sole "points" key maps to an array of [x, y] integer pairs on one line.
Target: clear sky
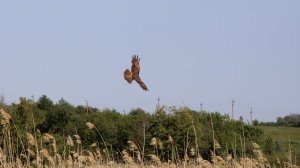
{"points": [[191, 52]]}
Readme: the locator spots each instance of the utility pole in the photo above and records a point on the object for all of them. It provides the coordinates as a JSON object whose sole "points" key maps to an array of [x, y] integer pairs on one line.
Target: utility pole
{"points": [[251, 121], [201, 105], [232, 105], [158, 99]]}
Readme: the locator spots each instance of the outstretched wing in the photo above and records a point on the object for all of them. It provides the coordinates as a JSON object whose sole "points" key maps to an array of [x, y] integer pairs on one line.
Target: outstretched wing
{"points": [[140, 82], [128, 76], [135, 67]]}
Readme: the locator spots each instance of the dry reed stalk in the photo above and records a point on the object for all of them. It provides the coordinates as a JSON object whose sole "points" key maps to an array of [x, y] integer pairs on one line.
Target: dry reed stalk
{"points": [[78, 140], [199, 159], [228, 157], [81, 159], [219, 160], [77, 136], [48, 138], [170, 139], [153, 142], [2, 157], [93, 145], [192, 152], [90, 125], [126, 157], [91, 157], [5, 118], [69, 161], [203, 163], [30, 153], [160, 145], [258, 153], [58, 159], [217, 144], [235, 164], [30, 139], [213, 156], [70, 141], [106, 149], [34, 163], [243, 142], [278, 161], [242, 151], [19, 163], [186, 157], [196, 138], [155, 159], [246, 162], [38, 131], [173, 149], [54, 146], [18, 135], [171, 165], [74, 154], [22, 155], [45, 153], [213, 132], [144, 141], [255, 146], [138, 156], [132, 146], [98, 155], [289, 154]]}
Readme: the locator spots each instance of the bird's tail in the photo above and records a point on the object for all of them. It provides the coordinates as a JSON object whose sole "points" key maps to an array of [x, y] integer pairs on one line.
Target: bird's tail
{"points": [[128, 75]]}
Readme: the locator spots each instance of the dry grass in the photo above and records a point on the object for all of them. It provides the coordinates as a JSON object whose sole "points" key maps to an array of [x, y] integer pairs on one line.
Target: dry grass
{"points": [[70, 141], [5, 118]]}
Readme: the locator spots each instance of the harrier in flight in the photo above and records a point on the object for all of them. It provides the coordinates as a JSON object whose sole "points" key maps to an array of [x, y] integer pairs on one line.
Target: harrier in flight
{"points": [[134, 73]]}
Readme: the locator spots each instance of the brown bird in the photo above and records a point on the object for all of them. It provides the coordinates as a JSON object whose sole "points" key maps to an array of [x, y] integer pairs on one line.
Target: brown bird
{"points": [[134, 73]]}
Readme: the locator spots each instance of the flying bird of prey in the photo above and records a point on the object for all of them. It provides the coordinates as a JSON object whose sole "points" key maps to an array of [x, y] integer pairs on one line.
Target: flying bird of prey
{"points": [[134, 73]]}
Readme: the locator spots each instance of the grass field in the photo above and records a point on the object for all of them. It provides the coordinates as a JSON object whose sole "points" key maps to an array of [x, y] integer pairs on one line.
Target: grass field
{"points": [[285, 137]]}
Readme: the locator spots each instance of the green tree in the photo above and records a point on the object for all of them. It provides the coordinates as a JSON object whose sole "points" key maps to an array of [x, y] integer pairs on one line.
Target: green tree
{"points": [[45, 103], [139, 123], [58, 117]]}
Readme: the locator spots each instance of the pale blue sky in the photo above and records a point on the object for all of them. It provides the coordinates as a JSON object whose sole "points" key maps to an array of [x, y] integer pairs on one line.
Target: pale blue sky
{"points": [[191, 52]]}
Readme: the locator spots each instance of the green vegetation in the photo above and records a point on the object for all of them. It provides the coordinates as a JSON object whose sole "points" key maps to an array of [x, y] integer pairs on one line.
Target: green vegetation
{"points": [[280, 141], [45, 133]]}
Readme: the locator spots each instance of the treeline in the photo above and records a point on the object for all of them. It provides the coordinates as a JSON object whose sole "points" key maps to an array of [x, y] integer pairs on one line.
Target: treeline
{"points": [[166, 131], [291, 120]]}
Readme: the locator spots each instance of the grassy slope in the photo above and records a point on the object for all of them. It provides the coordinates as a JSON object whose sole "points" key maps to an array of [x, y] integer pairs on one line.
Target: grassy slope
{"points": [[284, 135]]}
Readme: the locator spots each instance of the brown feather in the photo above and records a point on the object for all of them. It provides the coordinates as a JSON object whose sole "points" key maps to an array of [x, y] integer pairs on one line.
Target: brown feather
{"points": [[140, 82], [135, 67], [128, 76]]}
